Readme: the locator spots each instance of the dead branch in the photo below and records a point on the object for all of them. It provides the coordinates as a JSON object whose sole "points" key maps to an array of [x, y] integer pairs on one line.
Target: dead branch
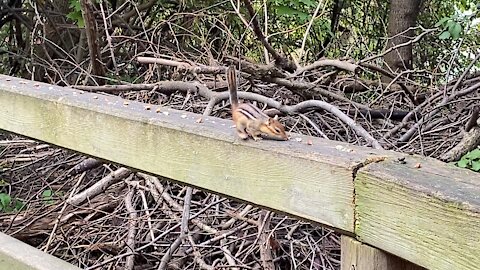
{"points": [[473, 120], [264, 239], [445, 101], [85, 165], [99, 186], [343, 65], [131, 224], [280, 61], [92, 39], [470, 141], [183, 231], [193, 68]]}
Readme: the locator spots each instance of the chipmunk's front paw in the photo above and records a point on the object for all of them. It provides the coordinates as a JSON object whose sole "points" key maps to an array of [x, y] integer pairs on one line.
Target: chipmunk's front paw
{"points": [[257, 138]]}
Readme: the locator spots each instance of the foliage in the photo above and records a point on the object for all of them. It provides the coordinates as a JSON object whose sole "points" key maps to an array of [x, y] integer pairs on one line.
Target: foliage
{"points": [[76, 13], [190, 26], [49, 195], [9, 204], [471, 160], [451, 28], [458, 35]]}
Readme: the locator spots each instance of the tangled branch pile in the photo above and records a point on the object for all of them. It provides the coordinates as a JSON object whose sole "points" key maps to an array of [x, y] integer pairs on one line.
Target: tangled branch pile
{"points": [[178, 59]]}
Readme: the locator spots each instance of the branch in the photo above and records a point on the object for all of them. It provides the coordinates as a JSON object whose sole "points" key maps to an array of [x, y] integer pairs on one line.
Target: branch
{"points": [[343, 65], [280, 60], [99, 186], [469, 142], [92, 38], [183, 230], [131, 223], [417, 38], [194, 68], [444, 102]]}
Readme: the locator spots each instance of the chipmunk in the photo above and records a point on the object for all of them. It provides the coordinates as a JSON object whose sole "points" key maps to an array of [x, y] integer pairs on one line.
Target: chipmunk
{"points": [[250, 120]]}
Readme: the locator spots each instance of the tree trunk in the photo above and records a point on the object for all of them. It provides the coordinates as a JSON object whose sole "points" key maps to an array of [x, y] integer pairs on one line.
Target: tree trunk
{"points": [[402, 15]]}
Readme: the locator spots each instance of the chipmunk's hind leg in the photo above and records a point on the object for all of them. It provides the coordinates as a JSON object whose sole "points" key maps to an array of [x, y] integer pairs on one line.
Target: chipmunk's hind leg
{"points": [[242, 133]]}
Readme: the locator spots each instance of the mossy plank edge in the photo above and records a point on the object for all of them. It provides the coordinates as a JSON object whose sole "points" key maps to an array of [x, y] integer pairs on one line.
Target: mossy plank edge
{"points": [[16, 255], [313, 181], [428, 215]]}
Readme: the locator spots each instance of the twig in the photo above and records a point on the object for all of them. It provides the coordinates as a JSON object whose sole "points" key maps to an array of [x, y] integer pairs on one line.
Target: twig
{"points": [[99, 186], [192, 68], [131, 224], [343, 65], [183, 231], [465, 72], [232, 220], [315, 126], [445, 101], [310, 23], [417, 38], [147, 212], [280, 60], [264, 245], [57, 221], [228, 255]]}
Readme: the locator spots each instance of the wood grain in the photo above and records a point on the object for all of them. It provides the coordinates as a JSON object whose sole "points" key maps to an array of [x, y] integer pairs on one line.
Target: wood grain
{"points": [[359, 256], [309, 181], [428, 215], [423, 211]]}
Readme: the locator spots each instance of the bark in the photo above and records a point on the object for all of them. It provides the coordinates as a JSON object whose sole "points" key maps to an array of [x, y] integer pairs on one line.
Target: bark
{"points": [[402, 15], [92, 39]]}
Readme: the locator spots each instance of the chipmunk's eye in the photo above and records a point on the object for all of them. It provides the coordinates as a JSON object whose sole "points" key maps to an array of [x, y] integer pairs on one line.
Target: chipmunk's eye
{"points": [[277, 130]]}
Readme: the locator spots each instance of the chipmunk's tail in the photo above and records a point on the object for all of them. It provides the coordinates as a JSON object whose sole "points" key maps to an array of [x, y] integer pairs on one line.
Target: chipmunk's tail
{"points": [[232, 86]]}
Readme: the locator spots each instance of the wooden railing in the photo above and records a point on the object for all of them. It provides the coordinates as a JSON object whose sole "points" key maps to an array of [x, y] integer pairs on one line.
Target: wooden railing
{"points": [[416, 208]]}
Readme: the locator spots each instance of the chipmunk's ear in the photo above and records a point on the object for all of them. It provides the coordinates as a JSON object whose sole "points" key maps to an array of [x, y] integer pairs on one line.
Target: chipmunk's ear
{"points": [[275, 117]]}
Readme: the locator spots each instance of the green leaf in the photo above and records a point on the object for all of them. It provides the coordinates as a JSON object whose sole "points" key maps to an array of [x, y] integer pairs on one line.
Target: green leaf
{"points": [[18, 205], [476, 166], [442, 21], [450, 23], [5, 200], [474, 154], [47, 193], [75, 5], [455, 31], [444, 35], [462, 163], [77, 17], [284, 10], [303, 16]]}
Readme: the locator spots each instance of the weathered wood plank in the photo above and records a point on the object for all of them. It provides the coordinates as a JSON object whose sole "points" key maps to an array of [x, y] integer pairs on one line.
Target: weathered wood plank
{"points": [[359, 256], [428, 215], [16, 255], [310, 181]]}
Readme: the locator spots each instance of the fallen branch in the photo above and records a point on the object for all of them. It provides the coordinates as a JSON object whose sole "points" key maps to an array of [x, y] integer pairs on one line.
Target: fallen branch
{"points": [[131, 224], [343, 65], [99, 186]]}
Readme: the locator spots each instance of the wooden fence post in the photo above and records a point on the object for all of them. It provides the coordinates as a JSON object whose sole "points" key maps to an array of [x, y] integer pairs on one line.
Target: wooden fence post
{"points": [[358, 256]]}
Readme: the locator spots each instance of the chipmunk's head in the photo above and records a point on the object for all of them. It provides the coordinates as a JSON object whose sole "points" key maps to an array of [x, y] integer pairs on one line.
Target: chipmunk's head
{"points": [[274, 129]]}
